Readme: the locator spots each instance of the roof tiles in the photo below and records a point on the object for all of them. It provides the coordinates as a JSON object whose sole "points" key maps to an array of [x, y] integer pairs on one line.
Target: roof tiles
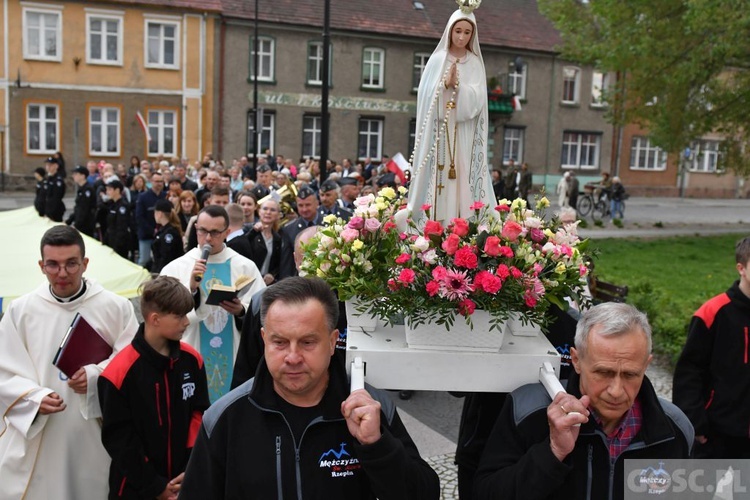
{"points": [[502, 23]]}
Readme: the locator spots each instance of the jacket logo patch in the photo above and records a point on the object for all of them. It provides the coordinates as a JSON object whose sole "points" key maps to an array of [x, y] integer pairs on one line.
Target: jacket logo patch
{"points": [[168, 238], [339, 462], [188, 390], [123, 210]]}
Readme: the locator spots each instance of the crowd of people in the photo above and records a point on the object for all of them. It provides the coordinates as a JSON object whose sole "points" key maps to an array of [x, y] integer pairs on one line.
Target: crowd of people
{"points": [[146, 211]]}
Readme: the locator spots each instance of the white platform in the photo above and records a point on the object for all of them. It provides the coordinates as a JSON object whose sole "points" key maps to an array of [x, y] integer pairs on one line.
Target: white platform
{"points": [[390, 364]]}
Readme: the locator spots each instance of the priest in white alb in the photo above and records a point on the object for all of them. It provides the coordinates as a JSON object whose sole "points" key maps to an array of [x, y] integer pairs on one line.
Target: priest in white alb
{"points": [[50, 439], [215, 330]]}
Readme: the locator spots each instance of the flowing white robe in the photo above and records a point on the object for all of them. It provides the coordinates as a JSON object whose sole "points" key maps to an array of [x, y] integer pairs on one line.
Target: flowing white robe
{"points": [[467, 128], [182, 269], [59, 455]]}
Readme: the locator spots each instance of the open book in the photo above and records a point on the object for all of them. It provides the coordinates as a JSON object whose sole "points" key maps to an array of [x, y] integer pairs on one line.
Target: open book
{"points": [[220, 293]]}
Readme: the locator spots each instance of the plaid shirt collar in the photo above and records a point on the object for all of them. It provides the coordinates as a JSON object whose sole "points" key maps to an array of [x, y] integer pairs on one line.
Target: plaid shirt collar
{"points": [[619, 439]]}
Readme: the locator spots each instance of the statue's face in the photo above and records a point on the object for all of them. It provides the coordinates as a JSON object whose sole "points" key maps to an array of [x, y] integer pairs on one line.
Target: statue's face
{"points": [[461, 34]]}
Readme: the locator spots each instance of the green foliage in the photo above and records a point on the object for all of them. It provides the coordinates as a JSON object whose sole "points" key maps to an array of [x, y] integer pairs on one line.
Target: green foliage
{"points": [[617, 222], [682, 65], [668, 278]]}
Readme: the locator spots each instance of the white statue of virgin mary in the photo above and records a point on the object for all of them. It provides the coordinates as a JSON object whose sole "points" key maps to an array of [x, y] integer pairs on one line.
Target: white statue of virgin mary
{"points": [[449, 164]]}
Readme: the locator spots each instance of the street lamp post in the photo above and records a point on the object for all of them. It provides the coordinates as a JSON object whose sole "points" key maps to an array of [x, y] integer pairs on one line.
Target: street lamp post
{"points": [[324, 90], [255, 90]]}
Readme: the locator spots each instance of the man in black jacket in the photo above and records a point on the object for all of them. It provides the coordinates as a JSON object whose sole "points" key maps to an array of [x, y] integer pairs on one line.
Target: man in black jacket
{"points": [[575, 447], [711, 379], [83, 217], [54, 191], [295, 431]]}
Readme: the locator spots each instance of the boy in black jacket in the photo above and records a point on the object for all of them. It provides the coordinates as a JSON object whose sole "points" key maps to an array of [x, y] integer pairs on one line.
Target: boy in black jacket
{"points": [[153, 395]]}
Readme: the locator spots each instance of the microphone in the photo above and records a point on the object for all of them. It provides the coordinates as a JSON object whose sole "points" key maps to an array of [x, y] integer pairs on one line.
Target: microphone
{"points": [[205, 252]]}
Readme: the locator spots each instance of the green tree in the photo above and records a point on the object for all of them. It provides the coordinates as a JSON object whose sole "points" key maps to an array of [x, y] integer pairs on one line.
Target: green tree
{"points": [[682, 66]]}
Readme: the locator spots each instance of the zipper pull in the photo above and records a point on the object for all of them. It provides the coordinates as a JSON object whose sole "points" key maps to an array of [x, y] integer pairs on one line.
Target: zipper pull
{"points": [[278, 445]]}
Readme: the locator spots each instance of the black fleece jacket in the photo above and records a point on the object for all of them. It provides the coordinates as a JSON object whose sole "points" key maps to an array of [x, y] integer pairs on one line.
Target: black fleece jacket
{"points": [[151, 412], [518, 463], [712, 376], [246, 449]]}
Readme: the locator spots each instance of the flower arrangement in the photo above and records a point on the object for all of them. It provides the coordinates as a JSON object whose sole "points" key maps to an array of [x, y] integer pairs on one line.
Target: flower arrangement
{"points": [[505, 260], [354, 256]]}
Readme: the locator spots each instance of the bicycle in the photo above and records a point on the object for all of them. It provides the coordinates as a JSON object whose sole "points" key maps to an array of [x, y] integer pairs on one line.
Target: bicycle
{"points": [[588, 203]]}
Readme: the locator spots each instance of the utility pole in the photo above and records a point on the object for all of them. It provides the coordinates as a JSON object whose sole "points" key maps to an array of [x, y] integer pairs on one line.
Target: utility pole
{"points": [[324, 88]]}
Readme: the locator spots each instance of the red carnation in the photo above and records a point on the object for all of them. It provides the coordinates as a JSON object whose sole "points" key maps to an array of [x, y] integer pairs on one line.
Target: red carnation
{"points": [[433, 227], [432, 288], [467, 307], [406, 276], [466, 258], [403, 258]]}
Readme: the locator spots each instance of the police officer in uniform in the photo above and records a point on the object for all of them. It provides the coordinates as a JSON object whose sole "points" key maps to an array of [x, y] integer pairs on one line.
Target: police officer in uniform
{"points": [[167, 244], [120, 219], [54, 191], [83, 217], [330, 203], [307, 208], [39, 174]]}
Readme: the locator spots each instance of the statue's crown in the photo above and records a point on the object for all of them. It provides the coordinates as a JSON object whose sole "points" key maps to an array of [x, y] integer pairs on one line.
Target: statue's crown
{"points": [[468, 6]]}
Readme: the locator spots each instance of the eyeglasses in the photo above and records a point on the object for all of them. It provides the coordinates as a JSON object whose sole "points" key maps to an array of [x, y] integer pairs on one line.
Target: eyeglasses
{"points": [[53, 267], [212, 234]]}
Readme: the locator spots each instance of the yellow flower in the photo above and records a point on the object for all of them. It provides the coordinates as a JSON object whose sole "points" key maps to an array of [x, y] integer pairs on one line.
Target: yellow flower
{"points": [[518, 203], [560, 268], [320, 273], [402, 190], [381, 205], [329, 219], [387, 192], [357, 245], [548, 233], [542, 203]]}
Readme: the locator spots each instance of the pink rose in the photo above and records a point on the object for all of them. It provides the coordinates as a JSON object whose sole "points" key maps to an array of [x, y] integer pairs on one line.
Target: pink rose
{"points": [[372, 225], [450, 245], [511, 230], [433, 227], [349, 234], [537, 235], [492, 246], [460, 227], [439, 273], [356, 223], [465, 257], [477, 205], [432, 288], [406, 276], [403, 258], [583, 270], [466, 307]]}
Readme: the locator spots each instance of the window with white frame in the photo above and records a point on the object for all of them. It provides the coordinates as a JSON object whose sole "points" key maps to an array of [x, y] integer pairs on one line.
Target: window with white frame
{"points": [[646, 156], [517, 81], [580, 150], [104, 131], [707, 157], [162, 44], [104, 39], [266, 130], [373, 61], [599, 83], [513, 145], [266, 61], [420, 61], [571, 77], [42, 34], [370, 138], [312, 127], [162, 126], [315, 63], [42, 128]]}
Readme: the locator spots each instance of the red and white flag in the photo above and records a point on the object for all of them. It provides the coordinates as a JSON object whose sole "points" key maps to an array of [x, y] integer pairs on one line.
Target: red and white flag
{"points": [[398, 165], [144, 125]]}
